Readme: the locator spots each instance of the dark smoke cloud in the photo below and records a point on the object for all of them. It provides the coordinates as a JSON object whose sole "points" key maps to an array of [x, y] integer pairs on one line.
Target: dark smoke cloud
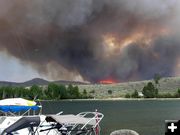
{"points": [[64, 38]]}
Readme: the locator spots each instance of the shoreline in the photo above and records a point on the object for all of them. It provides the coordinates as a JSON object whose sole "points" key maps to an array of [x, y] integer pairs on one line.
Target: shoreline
{"points": [[125, 99], [118, 99]]}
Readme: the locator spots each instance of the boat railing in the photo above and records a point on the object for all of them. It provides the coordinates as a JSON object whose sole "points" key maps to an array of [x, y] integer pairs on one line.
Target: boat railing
{"points": [[69, 124], [86, 123], [94, 118]]}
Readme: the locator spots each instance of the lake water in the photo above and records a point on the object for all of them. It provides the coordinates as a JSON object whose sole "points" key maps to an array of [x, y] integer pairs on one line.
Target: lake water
{"points": [[146, 117]]}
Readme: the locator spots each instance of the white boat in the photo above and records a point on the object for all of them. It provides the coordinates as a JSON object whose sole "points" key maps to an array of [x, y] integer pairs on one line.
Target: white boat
{"points": [[13, 110], [14, 122]]}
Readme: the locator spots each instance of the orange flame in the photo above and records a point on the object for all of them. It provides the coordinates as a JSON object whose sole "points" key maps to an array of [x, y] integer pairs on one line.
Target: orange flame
{"points": [[108, 81]]}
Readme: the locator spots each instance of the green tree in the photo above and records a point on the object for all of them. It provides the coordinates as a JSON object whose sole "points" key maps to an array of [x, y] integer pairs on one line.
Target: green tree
{"points": [[70, 91], [53, 91], [76, 92], [110, 92], [73, 92], [92, 92], [156, 78], [1, 92], [84, 93], [150, 91], [178, 91], [17, 92], [8, 92], [26, 93], [135, 94], [49, 91], [36, 92], [127, 95], [63, 91], [177, 94]]}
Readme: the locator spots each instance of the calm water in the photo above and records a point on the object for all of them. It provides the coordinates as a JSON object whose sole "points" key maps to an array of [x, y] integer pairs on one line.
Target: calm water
{"points": [[145, 117]]}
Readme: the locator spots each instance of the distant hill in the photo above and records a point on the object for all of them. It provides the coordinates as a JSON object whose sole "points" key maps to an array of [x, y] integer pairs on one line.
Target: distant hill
{"points": [[169, 84], [6, 83], [39, 81], [70, 82], [35, 81]]}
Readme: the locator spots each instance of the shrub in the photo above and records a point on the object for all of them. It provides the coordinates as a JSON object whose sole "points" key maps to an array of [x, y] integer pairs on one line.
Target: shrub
{"points": [[109, 91], [127, 95], [92, 91], [135, 94], [149, 91]]}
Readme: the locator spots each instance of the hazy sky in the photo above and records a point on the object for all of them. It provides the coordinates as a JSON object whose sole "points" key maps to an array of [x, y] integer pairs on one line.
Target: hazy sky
{"points": [[11, 69]]}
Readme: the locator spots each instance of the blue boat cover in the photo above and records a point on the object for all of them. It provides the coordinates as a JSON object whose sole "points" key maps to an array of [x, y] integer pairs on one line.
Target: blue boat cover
{"points": [[6, 108]]}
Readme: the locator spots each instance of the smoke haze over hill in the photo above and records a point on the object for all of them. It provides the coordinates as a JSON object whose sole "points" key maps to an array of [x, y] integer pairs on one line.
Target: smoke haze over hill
{"points": [[93, 40]]}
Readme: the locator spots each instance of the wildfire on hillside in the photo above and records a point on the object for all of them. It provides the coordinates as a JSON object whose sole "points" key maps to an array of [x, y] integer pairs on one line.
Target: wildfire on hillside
{"points": [[107, 81]]}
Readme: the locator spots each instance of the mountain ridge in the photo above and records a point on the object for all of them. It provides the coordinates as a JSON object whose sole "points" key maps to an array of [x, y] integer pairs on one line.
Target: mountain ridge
{"points": [[38, 81]]}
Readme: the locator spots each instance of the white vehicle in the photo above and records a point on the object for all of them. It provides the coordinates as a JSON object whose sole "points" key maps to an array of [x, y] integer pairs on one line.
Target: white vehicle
{"points": [[84, 123]]}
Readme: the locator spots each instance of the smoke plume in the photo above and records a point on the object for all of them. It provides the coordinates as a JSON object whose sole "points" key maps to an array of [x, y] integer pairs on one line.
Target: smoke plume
{"points": [[93, 40]]}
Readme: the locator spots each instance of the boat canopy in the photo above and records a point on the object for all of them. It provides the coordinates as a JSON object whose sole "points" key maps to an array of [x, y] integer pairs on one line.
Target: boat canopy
{"points": [[17, 102], [6, 108], [17, 105], [69, 119]]}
